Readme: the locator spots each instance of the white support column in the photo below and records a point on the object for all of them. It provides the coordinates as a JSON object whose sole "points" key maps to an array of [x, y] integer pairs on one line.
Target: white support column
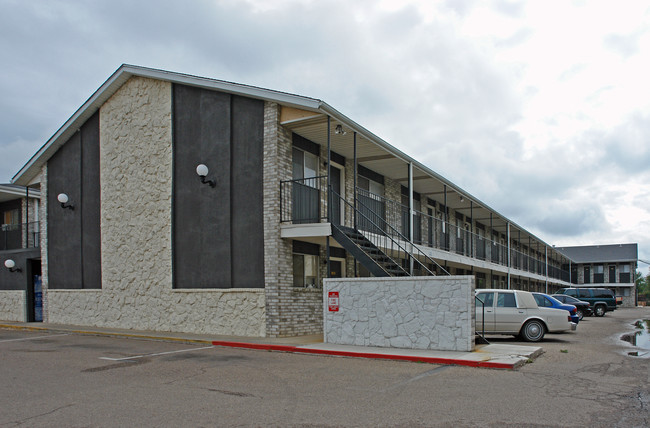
{"points": [[546, 257], [509, 255], [411, 216]]}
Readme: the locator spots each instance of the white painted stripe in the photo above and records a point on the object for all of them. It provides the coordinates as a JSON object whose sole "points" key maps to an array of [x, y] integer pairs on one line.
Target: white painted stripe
{"points": [[154, 355], [34, 338]]}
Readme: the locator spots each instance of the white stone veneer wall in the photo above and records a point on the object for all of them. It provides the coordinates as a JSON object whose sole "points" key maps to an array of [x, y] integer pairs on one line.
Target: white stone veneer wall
{"points": [[136, 201], [414, 312], [12, 305]]}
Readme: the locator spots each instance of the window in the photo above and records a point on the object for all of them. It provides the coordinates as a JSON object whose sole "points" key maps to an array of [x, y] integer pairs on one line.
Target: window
{"points": [[599, 274], [305, 165], [624, 274], [542, 301], [305, 264], [377, 189], [11, 219], [506, 300], [487, 298], [305, 270]]}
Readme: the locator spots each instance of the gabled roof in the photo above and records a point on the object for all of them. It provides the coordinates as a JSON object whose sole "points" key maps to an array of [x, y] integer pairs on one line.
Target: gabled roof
{"points": [[613, 253], [386, 158], [32, 168]]}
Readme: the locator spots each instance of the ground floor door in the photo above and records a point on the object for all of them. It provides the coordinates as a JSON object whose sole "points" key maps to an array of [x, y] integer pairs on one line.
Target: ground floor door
{"points": [[34, 293]]}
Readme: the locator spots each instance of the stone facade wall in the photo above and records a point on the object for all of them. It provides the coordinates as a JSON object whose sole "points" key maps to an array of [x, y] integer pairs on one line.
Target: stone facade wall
{"points": [[414, 313], [12, 305], [136, 195]]}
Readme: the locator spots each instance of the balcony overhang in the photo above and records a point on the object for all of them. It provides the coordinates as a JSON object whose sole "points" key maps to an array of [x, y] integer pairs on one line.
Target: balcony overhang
{"points": [[307, 230]]}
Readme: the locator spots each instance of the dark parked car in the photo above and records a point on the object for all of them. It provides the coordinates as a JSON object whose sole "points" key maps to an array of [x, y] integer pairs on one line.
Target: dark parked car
{"points": [[584, 308], [600, 299]]}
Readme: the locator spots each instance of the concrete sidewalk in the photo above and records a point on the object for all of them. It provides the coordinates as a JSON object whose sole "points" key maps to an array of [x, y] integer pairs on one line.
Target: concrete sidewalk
{"points": [[498, 356]]}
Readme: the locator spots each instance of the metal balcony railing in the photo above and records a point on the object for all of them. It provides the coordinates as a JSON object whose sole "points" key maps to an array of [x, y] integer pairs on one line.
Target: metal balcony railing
{"points": [[304, 201], [19, 236]]}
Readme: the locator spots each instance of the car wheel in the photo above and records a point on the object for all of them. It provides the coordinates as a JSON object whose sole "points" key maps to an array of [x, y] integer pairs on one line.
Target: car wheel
{"points": [[533, 331], [599, 310], [580, 314]]}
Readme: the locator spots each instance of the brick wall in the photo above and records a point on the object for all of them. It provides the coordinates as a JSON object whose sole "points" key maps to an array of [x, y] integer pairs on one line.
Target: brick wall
{"points": [[290, 311]]}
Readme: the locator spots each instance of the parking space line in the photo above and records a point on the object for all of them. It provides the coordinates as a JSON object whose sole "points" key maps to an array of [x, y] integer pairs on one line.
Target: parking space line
{"points": [[135, 357], [34, 338]]}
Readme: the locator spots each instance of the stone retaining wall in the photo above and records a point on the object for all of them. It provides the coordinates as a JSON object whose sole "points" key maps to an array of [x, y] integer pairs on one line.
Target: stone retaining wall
{"points": [[415, 312]]}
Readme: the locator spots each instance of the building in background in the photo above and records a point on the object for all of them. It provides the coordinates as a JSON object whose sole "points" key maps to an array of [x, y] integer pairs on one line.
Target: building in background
{"points": [[607, 266]]}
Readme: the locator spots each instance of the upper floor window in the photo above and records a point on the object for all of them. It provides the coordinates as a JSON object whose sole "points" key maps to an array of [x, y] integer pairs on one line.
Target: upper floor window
{"points": [[624, 274], [10, 219], [599, 274], [371, 186], [305, 165]]}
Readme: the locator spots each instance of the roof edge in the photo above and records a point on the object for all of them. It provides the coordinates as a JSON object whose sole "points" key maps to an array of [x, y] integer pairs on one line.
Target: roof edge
{"points": [[32, 168]]}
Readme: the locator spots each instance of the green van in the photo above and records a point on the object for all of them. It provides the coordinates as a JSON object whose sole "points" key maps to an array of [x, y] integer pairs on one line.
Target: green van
{"points": [[600, 299]]}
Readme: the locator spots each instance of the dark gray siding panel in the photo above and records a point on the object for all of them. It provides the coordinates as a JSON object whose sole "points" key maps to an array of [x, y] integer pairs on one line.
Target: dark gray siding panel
{"points": [[74, 246], [63, 225], [247, 178], [201, 226], [16, 280], [217, 232], [90, 208]]}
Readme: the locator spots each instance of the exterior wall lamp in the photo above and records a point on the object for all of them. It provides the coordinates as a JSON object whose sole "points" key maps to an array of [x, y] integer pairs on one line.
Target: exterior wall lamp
{"points": [[202, 171], [63, 198], [11, 265], [339, 130]]}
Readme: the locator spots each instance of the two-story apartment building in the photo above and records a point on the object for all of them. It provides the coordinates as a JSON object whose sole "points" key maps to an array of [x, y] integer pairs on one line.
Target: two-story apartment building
{"points": [[175, 202], [609, 266]]}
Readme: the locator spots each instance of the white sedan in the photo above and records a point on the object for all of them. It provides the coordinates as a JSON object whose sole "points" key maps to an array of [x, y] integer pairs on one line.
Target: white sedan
{"points": [[516, 312]]}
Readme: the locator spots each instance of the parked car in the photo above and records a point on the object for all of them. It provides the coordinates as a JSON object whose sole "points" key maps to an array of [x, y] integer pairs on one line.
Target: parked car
{"points": [[584, 308], [516, 312], [545, 301], [600, 299]]}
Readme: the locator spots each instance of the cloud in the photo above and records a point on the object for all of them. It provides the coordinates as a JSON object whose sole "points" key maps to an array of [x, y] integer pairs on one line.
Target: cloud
{"points": [[546, 125]]}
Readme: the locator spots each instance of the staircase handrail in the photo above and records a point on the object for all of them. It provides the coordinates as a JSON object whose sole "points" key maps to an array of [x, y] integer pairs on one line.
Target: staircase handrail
{"points": [[391, 238], [395, 232]]}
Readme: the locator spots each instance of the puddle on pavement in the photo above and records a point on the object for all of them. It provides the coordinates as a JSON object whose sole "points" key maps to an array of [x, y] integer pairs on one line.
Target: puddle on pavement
{"points": [[640, 339]]}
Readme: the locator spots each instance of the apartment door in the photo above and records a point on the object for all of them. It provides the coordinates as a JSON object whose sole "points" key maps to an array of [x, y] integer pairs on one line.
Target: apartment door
{"points": [[336, 182], [305, 194], [34, 291]]}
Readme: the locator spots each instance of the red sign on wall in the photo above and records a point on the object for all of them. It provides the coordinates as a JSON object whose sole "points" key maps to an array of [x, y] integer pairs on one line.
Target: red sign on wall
{"points": [[333, 301]]}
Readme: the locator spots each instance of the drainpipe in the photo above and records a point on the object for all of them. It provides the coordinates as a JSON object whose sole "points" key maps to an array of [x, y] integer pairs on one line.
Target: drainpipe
{"points": [[410, 217]]}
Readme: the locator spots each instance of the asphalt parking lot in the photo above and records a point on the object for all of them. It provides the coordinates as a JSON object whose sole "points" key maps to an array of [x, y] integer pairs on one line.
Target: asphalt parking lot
{"points": [[584, 378]]}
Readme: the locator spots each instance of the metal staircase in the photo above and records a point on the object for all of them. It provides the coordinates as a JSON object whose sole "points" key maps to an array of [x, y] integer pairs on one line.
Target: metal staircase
{"points": [[367, 253], [379, 257]]}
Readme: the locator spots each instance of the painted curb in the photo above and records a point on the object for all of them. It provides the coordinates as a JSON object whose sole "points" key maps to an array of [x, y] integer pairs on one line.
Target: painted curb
{"points": [[415, 359]]}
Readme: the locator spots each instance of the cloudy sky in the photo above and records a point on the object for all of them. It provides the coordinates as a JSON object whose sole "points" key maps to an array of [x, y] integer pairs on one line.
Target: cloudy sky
{"points": [[540, 109]]}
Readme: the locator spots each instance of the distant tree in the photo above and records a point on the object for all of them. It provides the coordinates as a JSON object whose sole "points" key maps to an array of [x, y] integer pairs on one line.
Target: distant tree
{"points": [[642, 285]]}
